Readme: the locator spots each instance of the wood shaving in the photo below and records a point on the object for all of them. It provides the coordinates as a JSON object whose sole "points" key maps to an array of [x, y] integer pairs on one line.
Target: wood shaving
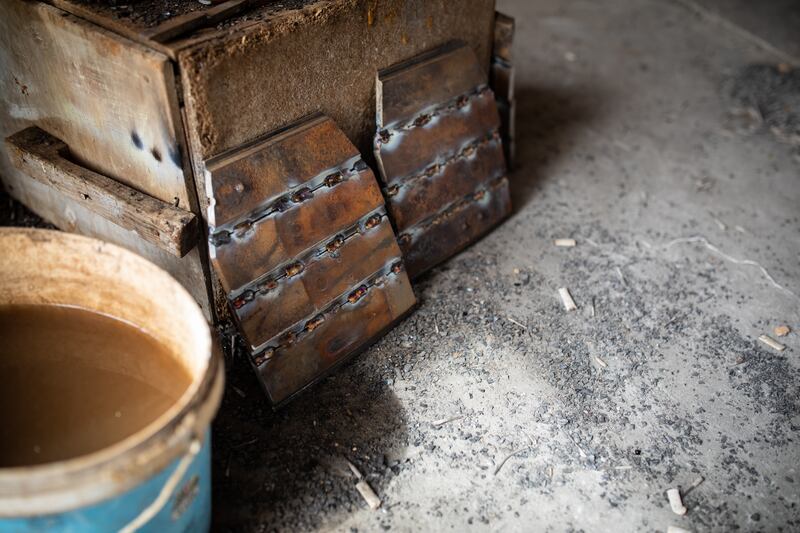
{"points": [[675, 502], [565, 243], [566, 299], [772, 343]]}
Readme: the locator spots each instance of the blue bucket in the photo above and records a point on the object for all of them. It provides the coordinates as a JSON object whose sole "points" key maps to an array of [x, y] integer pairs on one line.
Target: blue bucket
{"points": [[158, 479]]}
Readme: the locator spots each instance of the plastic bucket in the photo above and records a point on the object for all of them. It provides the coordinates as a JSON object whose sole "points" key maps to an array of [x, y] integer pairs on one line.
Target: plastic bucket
{"points": [[158, 479]]}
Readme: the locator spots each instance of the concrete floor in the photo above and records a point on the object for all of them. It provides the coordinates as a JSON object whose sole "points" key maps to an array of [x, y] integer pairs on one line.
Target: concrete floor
{"points": [[491, 408], [626, 143]]}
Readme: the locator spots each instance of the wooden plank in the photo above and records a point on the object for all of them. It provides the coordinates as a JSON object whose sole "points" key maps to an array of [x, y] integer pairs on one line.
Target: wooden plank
{"points": [[111, 100], [43, 157], [185, 23], [414, 200], [341, 334], [324, 278], [435, 77], [428, 244], [93, 89], [258, 173], [404, 152], [278, 238]]}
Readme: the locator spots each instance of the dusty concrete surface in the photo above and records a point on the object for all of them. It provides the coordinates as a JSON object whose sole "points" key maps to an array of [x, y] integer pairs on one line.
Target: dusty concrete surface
{"points": [[627, 142]]}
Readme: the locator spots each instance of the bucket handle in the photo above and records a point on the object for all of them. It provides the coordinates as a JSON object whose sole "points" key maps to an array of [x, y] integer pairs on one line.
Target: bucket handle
{"points": [[167, 490]]}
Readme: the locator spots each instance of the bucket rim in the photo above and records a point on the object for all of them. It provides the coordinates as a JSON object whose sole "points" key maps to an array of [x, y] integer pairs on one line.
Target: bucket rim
{"points": [[84, 480]]}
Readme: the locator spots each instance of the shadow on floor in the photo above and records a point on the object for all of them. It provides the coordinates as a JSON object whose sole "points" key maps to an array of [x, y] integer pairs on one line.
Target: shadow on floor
{"points": [[267, 464], [547, 121]]}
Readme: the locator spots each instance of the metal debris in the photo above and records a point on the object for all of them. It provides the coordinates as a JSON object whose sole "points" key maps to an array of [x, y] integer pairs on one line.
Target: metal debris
{"points": [[675, 502], [566, 299], [772, 343]]}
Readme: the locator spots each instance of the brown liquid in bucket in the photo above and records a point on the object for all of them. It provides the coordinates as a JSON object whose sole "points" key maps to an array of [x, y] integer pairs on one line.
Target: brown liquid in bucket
{"points": [[74, 381]]}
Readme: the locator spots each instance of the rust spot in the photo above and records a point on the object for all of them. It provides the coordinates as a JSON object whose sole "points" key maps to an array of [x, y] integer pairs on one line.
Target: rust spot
{"points": [[243, 227], [289, 339], [264, 356], [397, 267], [422, 120], [335, 244], [314, 323], [372, 221], [295, 269], [357, 294], [242, 300], [268, 285], [333, 179], [281, 205], [404, 239], [302, 195]]}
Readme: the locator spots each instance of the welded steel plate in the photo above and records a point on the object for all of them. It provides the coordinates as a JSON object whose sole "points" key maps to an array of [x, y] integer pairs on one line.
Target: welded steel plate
{"points": [[438, 145], [301, 244]]}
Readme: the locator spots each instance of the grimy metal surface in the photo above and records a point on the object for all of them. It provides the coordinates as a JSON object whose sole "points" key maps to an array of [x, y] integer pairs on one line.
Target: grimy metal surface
{"points": [[302, 245], [349, 325], [439, 149], [502, 81]]}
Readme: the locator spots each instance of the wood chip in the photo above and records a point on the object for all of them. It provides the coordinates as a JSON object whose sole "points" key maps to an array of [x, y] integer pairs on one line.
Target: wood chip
{"points": [[675, 502], [781, 331], [772, 343], [368, 494], [600, 362], [565, 243], [677, 529], [566, 299], [440, 423]]}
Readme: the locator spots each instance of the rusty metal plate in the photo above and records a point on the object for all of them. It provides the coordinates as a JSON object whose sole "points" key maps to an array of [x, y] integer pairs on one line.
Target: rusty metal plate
{"points": [[302, 245], [277, 301], [448, 232], [438, 147], [415, 199], [431, 79], [242, 252], [348, 325], [436, 134], [248, 180], [508, 119], [502, 82]]}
